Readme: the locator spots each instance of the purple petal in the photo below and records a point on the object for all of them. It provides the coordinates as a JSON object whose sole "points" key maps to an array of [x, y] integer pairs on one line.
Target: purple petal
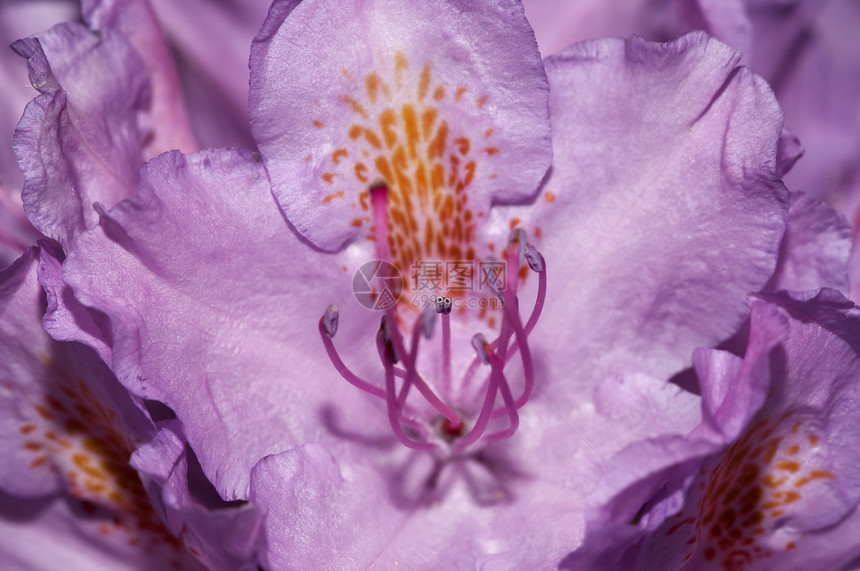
{"points": [[79, 142], [135, 20], [65, 318], [784, 494], [790, 150], [814, 252], [222, 536], [20, 19], [331, 113], [222, 330], [19, 349], [664, 195], [318, 531], [819, 85], [558, 23], [16, 232], [214, 75], [38, 535], [68, 430]]}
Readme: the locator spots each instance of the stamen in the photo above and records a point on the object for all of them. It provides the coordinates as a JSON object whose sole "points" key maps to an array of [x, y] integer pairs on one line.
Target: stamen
{"points": [[443, 305], [498, 368], [480, 345], [412, 374], [327, 332], [497, 381], [329, 320], [534, 259], [392, 348], [512, 314], [521, 334], [446, 345], [391, 353], [536, 264], [390, 401], [428, 322]]}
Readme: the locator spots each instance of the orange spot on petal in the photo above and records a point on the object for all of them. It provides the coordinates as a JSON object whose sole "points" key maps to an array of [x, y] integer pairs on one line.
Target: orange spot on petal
{"points": [[424, 83], [361, 174], [339, 154], [329, 197], [462, 144], [40, 461], [789, 465], [356, 106], [400, 65], [372, 83]]}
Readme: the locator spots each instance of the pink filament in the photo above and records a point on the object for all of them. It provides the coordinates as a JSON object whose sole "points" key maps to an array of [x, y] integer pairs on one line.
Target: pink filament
{"points": [[344, 371], [393, 412], [446, 354], [513, 337], [496, 379], [379, 200]]}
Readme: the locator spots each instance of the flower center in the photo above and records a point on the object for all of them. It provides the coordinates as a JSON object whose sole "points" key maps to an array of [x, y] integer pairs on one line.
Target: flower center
{"points": [[444, 428], [745, 497], [83, 440]]}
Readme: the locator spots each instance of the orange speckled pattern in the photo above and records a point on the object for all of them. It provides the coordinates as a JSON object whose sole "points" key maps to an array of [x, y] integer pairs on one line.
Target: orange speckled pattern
{"points": [[741, 499], [84, 442], [400, 133]]}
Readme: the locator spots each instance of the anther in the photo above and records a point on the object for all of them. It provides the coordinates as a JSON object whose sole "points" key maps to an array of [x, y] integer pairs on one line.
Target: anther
{"points": [[534, 259], [330, 319], [443, 305], [517, 242], [327, 328], [481, 346], [387, 340]]}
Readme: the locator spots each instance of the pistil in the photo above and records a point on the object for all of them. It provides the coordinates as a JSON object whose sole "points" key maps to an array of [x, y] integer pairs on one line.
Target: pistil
{"points": [[449, 430]]}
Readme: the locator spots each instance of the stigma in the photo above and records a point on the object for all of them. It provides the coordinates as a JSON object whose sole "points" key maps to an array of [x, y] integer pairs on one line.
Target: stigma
{"points": [[448, 415]]}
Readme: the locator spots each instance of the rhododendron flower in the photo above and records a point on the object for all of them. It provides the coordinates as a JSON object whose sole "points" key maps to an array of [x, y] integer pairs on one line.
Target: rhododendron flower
{"points": [[221, 320], [807, 51], [97, 482], [769, 478], [450, 286]]}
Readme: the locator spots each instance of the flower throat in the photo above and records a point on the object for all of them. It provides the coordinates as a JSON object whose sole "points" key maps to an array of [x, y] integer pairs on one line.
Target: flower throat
{"points": [[447, 429]]}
